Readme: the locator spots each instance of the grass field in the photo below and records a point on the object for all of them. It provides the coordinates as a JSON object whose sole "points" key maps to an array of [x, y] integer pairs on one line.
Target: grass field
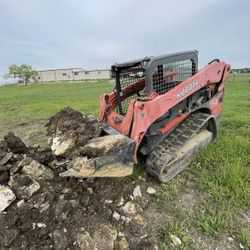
{"points": [[222, 171], [25, 109]]}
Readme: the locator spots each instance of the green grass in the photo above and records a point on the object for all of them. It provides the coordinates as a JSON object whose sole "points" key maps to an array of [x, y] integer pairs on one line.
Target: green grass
{"points": [[244, 237], [213, 219], [177, 227], [20, 104], [224, 167]]}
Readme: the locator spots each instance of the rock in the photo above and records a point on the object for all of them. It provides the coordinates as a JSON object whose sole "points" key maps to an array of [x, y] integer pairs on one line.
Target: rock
{"points": [[62, 145], [241, 246], [60, 240], [151, 190], [6, 158], [129, 208], [41, 225], [66, 191], [81, 166], [44, 207], [121, 202], [123, 244], [102, 239], [24, 186], [230, 239], [15, 144], [131, 197], [103, 145], [139, 219], [121, 234], [25, 161], [141, 178], [56, 163], [6, 197], [38, 171], [108, 201], [116, 216], [175, 240], [20, 204], [4, 177], [137, 192], [90, 190]]}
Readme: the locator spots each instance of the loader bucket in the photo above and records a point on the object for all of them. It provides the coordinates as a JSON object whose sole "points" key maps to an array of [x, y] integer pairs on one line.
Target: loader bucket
{"points": [[117, 163]]}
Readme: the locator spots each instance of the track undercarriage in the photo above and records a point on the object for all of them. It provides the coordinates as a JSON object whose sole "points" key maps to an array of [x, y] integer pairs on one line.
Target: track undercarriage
{"points": [[173, 154]]}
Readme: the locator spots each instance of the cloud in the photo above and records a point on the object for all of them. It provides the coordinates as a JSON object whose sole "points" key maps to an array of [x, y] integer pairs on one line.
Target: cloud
{"points": [[95, 34]]}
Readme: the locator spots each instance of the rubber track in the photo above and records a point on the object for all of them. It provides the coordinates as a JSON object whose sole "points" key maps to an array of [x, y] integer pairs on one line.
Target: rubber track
{"points": [[164, 153]]}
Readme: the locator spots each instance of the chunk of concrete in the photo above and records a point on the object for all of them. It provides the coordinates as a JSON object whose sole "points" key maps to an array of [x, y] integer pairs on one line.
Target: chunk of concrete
{"points": [[137, 192], [6, 158], [62, 145], [103, 145], [38, 171], [81, 167], [129, 208], [6, 197], [24, 186]]}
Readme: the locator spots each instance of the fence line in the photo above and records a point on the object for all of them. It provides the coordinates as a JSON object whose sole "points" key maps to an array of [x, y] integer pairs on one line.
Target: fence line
{"points": [[240, 77]]}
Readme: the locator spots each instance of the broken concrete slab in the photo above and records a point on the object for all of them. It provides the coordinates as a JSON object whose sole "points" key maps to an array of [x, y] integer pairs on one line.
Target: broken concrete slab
{"points": [[38, 171], [6, 159], [24, 186], [25, 161], [6, 197], [61, 145], [80, 167], [103, 145]]}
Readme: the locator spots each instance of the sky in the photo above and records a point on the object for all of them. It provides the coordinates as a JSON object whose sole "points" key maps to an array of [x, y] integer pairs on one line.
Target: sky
{"points": [[50, 34]]}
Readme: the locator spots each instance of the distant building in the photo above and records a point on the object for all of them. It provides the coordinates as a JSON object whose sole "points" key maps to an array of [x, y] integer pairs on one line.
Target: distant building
{"points": [[72, 74]]}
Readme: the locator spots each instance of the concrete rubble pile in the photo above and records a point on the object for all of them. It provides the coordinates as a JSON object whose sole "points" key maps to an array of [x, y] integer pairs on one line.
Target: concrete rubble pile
{"points": [[39, 209]]}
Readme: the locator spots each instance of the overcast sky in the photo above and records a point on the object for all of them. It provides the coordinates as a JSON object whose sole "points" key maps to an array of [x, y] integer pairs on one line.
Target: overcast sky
{"points": [[96, 33]]}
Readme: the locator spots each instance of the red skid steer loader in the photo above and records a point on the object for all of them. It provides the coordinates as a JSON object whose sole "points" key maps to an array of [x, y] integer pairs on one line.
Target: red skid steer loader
{"points": [[167, 110]]}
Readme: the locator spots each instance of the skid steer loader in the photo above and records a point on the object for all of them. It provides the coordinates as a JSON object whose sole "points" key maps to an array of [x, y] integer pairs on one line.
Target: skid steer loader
{"points": [[166, 109]]}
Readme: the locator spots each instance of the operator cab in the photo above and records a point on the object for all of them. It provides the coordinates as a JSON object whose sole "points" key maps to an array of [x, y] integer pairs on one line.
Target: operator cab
{"points": [[137, 79]]}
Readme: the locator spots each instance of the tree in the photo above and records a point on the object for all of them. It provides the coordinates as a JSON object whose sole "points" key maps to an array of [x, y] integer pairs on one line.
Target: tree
{"points": [[24, 72]]}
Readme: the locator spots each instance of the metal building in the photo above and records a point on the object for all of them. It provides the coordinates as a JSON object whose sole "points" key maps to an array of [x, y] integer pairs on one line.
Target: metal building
{"points": [[72, 74]]}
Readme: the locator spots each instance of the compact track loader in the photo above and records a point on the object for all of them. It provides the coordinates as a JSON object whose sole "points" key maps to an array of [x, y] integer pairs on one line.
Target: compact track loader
{"points": [[166, 109]]}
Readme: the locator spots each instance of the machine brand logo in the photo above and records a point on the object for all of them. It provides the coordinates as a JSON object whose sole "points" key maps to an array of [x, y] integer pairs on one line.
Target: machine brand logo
{"points": [[188, 88]]}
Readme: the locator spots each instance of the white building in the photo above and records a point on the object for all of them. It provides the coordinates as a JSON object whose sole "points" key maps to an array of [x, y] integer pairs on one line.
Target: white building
{"points": [[72, 74]]}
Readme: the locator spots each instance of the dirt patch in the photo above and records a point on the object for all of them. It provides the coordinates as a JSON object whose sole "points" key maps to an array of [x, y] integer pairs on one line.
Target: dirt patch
{"points": [[47, 211]]}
